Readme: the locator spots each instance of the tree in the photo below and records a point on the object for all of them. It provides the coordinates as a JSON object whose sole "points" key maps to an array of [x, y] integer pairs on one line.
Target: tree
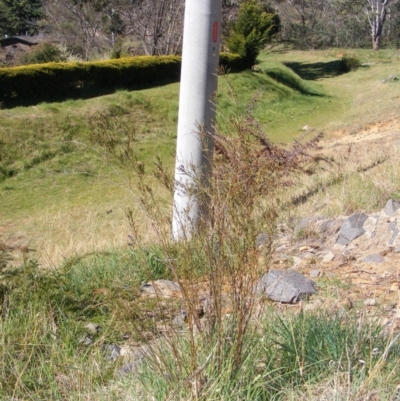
{"points": [[157, 24], [376, 11], [20, 17], [82, 24], [251, 31]]}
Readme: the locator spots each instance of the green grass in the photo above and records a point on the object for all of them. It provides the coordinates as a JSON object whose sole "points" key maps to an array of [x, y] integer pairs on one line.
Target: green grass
{"points": [[47, 161], [61, 195], [44, 314]]}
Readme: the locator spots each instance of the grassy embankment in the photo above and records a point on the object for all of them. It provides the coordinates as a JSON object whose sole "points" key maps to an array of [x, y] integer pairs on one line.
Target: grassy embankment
{"points": [[62, 197]]}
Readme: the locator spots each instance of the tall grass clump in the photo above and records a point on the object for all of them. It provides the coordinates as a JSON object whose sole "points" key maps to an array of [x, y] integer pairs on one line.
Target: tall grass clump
{"points": [[349, 63], [218, 265]]}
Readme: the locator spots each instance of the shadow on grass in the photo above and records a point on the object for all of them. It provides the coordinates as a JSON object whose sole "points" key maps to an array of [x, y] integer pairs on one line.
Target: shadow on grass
{"points": [[80, 93], [313, 71]]}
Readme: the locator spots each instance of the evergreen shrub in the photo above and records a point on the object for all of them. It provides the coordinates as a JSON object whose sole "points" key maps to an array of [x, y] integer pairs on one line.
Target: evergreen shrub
{"points": [[41, 81]]}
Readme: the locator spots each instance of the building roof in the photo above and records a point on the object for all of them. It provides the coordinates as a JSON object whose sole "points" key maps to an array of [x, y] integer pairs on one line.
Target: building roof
{"points": [[12, 40]]}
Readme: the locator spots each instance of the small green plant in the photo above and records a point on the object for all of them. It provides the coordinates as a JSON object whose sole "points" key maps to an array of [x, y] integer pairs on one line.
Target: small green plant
{"points": [[43, 53]]}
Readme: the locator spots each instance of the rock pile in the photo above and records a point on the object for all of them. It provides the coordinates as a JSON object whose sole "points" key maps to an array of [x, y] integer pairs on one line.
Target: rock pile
{"points": [[361, 249]]}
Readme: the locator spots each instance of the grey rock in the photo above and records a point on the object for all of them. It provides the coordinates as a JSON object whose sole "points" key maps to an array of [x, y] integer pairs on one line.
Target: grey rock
{"points": [[315, 273], [286, 286], [180, 319], [395, 232], [352, 228], [374, 258], [262, 240], [111, 351], [391, 206]]}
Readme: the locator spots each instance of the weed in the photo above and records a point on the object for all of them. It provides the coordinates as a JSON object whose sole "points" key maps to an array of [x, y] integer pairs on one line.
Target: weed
{"points": [[219, 263], [349, 63]]}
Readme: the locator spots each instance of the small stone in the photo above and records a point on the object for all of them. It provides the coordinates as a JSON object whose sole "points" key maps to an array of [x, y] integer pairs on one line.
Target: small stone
{"points": [[328, 257], [394, 287], [180, 319], [86, 340], [370, 302], [395, 232], [92, 328], [262, 240], [391, 207], [314, 273], [112, 351], [374, 258]]}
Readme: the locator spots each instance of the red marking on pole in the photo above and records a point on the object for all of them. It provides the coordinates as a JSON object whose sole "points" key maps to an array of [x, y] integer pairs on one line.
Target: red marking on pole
{"points": [[215, 31]]}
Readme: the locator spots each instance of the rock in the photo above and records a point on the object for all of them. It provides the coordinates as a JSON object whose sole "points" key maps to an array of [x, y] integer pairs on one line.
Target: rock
{"points": [[370, 302], [315, 273], [391, 207], [374, 258], [352, 228], [111, 351], [92, 328], [395, 232], [370, 226], [286, 286], [162, 288], [328, 257], [180, 319], [262, 240], [86, 340]]}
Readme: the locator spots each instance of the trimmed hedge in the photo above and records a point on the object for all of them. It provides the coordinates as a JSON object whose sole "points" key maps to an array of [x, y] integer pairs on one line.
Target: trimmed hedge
{"points": [[41, 81]]}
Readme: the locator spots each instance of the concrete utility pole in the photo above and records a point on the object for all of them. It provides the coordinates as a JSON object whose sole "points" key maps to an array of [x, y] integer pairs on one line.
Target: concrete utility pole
{"points": [[199, 79]]}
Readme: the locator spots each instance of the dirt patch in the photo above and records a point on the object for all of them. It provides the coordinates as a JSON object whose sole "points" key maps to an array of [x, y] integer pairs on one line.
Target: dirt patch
{"points": [[387, 130]]}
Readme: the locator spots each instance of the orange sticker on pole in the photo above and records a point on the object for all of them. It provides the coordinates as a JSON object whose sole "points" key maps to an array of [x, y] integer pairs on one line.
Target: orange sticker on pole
{"points": [[215, 31]]}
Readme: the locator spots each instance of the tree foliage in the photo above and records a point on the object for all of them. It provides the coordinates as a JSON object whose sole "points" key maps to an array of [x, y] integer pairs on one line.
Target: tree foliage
{"points": [[315, 24], [251, 30], [20, 17]]}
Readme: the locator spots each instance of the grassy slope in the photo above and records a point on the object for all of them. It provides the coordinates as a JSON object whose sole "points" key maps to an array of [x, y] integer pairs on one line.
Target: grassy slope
{"points": [[56, 203], [62, 191]]}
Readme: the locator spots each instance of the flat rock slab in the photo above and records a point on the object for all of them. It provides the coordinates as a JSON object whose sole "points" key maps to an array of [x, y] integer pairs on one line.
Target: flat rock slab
{"points": [[352, 228], [286, 286], [373, 258]]}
